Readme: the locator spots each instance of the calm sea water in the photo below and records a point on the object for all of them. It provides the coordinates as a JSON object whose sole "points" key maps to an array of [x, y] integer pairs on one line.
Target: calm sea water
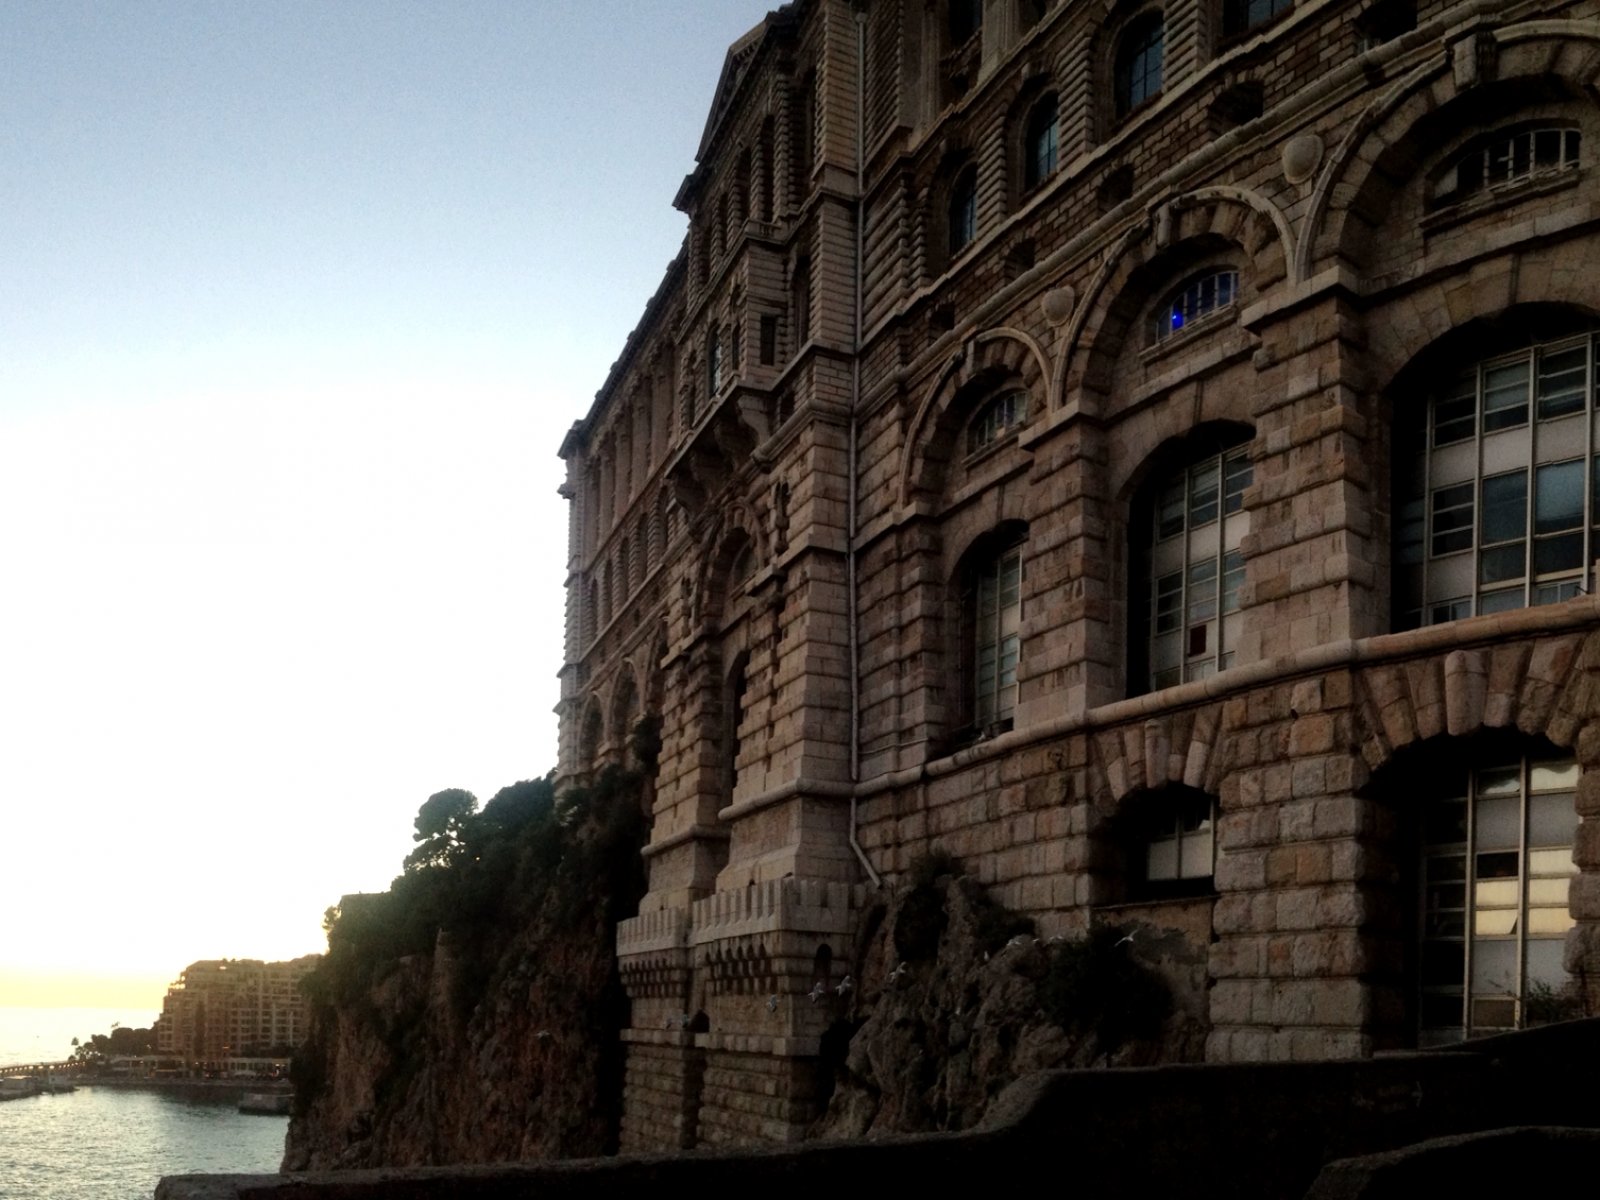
{"points": [[103, 1143]]}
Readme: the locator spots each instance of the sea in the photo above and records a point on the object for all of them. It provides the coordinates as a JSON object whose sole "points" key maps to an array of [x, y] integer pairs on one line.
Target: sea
{"points": [[115, 1143]]}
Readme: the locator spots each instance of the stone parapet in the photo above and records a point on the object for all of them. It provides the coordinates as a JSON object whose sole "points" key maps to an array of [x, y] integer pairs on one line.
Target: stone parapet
{"points": [[777, 905]]}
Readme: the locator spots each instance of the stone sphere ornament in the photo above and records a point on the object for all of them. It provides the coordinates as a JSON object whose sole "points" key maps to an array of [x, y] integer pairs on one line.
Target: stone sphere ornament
{"points": [[1301, 156], [1058, 304]]}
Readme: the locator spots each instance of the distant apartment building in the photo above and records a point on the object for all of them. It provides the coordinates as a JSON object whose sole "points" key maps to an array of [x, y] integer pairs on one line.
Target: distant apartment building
{"points": [[224, 1008]]}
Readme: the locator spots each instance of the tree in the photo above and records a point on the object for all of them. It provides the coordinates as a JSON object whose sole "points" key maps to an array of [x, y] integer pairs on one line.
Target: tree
{"points": [[441, 825]]}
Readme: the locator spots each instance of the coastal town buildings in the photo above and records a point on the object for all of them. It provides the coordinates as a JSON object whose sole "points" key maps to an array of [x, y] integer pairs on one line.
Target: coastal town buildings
{"points": [[233, 1008], [1144, 450]]}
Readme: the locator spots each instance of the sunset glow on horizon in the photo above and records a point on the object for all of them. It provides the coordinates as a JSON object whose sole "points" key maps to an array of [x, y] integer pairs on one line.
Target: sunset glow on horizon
{"points": [[301, 301]]}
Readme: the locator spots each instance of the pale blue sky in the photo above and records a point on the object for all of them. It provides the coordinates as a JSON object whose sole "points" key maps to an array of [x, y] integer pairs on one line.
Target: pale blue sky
{"points": [[296, 302]]}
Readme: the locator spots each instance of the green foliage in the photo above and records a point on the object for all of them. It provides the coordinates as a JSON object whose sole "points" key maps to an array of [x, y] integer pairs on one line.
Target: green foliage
{"points": [[441, 829], [1545, 1003], [476, 874], [1094, 986]]}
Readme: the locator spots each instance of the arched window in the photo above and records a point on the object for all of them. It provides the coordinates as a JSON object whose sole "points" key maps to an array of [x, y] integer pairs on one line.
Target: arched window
{"points": [[1495, 487], [1174, 850], [991, 610], [1040, 138], [1137, 71], [1496, 870], [963, 209], [1506, 158], [1191, 566], [1240, 15], [1199, 297], [998, 418]]}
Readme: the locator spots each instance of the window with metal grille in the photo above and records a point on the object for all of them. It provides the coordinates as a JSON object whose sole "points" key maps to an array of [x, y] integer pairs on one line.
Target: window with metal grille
{"points": [[1496, 487], [1200, 297], [1496, 869], [1196, 568], [1001, 416], [1507, 158]]}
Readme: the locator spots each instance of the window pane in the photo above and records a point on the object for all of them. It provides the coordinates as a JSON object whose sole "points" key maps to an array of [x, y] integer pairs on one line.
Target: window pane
{"points": [[1561, 553], [1505, 600], [1552, 819], [1558, 498], [1452, 519], [1557, 775], [1562, 377], [1455, 413], [1505, 396], [1237, 475], [1505, 507]]}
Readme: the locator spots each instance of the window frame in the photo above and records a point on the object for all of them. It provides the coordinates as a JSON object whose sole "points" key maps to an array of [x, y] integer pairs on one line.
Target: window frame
{"points": [[996, 420], [1510, 442], [1194, 568], [1202, 296], [1124, 103], [1463, 901], [1168, 818], [992, 576], [961, 227], [1041, 141], [1478, 155], [1237, 20]]}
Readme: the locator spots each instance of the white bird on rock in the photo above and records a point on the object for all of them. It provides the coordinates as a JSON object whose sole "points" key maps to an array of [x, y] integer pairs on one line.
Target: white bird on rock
{"points": [[772, 1003], [846, 985], [899, 973], [817, 993]]}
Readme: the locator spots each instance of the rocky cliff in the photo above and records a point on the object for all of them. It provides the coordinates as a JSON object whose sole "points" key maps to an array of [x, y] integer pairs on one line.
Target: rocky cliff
{"points": [[471, 1014], [957, 999]]}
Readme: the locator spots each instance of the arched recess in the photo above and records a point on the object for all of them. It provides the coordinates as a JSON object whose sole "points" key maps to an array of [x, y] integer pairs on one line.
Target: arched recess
{"points": [[591, 733], [624, 711], [1484, 81], [984, 361], [1185, 231]]}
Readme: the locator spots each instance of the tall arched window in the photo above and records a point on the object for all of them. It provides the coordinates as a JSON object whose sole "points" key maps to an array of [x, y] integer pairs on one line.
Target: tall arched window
{"points": [[991, 617], [1137, 71], [733, 701], [1040, 139], [1191, 567], [1209, 292], [1496, 870], [962, 209], [714, 361], [1495, 487]]}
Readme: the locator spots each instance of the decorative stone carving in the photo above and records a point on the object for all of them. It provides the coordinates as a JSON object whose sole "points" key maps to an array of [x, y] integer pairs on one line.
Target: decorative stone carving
{"points": [[1301, 157], [1058, 304]]}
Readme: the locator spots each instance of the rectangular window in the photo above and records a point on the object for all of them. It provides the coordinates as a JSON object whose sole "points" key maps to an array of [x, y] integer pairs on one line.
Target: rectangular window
{"points": [[1558, 518], [1505, 396], [998, 631], [1563, 380], [1455, 414], [1452, 519], [1503, 528], [1237, 472], [769, 340]]}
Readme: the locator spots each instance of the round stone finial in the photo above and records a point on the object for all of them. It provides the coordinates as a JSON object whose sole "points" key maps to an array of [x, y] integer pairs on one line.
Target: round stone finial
{"points": [[1301, 156], [1058, 304]]}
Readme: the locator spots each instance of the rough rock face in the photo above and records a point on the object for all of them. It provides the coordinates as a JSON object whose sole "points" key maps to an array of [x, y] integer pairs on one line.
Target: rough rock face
{"points": [[956, 1001], [499, 1045]]}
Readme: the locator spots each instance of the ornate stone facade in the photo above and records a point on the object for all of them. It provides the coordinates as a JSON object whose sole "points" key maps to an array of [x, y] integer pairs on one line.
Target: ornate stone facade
{"points": [[1147, 452]]}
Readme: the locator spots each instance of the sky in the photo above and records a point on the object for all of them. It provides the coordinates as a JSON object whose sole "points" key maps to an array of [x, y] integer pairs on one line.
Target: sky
{"points": [[297, 300]]}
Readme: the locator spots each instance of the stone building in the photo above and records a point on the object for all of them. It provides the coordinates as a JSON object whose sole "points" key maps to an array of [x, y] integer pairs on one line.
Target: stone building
{"points": [[234, 1008], [1146, 450]]}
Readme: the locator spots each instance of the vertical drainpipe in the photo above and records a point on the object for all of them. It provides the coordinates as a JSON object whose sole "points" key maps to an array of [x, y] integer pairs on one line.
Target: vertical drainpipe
{"points": [[855, 405]]}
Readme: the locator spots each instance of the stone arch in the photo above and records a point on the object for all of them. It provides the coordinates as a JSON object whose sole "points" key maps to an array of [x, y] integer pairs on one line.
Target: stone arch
{"points": [[1175, 749], [1411, 112], [591, 733], [1187, 226], [984, 359], [624, 705], [1541, 688]]}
